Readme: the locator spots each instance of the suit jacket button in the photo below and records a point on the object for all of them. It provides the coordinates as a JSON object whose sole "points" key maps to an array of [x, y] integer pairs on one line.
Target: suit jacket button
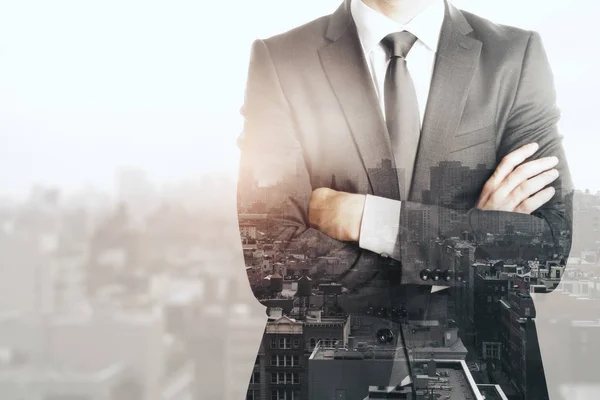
{"points": [[436, 275], [425, 274], [447, 276]]}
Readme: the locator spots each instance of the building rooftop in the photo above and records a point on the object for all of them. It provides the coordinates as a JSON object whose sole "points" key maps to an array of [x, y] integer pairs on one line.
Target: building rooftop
{"points": [[501, 277], [492, 392], [453, 383], [448, 380], [365, 347], [324, 320]]}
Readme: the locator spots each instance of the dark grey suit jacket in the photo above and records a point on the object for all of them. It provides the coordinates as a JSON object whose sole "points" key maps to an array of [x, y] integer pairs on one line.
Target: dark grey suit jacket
{"points": [[312, 120]]}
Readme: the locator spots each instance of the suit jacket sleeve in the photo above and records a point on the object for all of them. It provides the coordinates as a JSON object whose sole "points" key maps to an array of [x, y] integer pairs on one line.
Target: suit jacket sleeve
{"points": [[272, 156], [533, 118]]}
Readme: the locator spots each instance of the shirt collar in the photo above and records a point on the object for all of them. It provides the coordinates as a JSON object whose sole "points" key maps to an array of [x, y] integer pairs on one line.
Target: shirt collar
{"points": [[373, 26]]}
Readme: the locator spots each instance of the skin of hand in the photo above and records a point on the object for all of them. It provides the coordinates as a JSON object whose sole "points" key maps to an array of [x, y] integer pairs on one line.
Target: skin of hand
{"points": [[515, 186], [337, 214], [518, 186]]}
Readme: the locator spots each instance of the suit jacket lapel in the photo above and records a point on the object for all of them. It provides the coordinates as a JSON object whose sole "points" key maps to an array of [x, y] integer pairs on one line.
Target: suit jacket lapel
{"points": [[455, 64], [346, 68]]}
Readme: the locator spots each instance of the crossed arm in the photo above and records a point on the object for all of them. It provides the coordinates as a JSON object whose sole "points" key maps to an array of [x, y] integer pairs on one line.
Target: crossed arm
{"points": [[515, 186], [532, 178], [531, 154]]}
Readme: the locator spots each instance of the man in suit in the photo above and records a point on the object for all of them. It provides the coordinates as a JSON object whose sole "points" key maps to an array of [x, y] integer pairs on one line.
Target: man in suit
{"points": [[391, 124]]}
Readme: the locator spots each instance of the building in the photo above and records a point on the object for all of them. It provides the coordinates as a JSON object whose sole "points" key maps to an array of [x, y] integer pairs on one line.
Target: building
{"points": [[520, 346], [444, 379], [27, 281], [572, 314], [248, 230], [374, 356], [492, 392], [489, 289], [136, 192], [25, 382], [285, 368], [328, 331], [281, 367], [450, 181], [386, 173], [110, 355]]}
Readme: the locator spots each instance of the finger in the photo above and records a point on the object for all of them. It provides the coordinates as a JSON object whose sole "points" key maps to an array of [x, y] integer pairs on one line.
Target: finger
{"points": [[506, 166], [534, 202], [512, 160], [532, 186], [524, 172]]}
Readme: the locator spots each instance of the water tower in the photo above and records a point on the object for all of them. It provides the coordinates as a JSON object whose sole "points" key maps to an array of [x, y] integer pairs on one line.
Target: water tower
{"points": [[276, 285]]}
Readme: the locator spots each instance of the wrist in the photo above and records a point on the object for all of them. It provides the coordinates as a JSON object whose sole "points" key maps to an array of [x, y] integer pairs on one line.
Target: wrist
{"points": [[355, 204]]}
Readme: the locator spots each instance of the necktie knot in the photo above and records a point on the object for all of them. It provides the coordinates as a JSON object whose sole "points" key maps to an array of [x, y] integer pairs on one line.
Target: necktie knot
{"points": [[398, 44]]}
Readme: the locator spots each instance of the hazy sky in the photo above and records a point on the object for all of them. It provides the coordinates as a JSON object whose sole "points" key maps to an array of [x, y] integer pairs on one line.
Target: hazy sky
{"points": [[88, 86]]}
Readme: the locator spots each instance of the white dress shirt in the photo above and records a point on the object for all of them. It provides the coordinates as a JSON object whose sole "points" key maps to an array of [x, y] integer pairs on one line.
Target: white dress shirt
{"points": [[373, 26], [381, 216]]}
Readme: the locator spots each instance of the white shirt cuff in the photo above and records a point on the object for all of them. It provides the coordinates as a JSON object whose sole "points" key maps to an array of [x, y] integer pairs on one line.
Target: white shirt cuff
{"points": [[380, 225], [435, 289]]}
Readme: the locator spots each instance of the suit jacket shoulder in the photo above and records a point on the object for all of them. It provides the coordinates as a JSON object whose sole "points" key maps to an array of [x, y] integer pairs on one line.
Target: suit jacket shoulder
{"points": [[499, 39], [308, 37]]}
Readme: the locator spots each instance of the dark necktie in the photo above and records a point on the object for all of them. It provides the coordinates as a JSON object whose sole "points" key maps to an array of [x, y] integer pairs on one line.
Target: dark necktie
{"points": [[401, 107]]}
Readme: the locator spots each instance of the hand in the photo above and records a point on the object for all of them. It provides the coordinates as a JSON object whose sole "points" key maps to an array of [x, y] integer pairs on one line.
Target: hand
{"points": [[337, 214], [518, 187]]}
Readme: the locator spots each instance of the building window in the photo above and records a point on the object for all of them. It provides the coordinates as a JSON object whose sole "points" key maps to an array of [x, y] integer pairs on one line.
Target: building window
{"points": [[273, 343], [282, 394], [253, 394], [285, 378], [255, 377], [527, 311], [313, 342], [285, 343], [491, 350], [285, 361], [296, 343], [326, 343], [257, 361]]}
